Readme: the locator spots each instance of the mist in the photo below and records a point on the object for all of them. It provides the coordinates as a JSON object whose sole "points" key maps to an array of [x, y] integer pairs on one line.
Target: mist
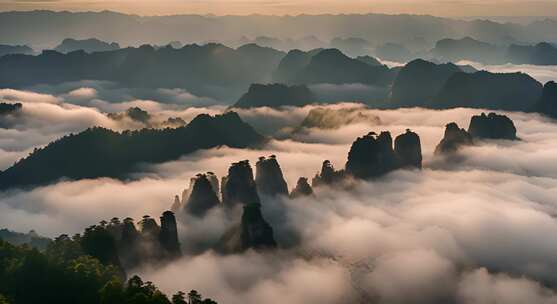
{"points": [[452, 232]]}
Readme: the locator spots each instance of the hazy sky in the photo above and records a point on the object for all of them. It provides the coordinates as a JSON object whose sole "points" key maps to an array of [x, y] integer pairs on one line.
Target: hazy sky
{"points": [[281, 7]]}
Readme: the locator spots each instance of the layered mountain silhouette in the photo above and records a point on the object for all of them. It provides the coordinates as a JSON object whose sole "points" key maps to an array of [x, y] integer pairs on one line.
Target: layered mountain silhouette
{"points": [[100, 152], [540, 54], [15, 49], [49, 28], [419, 82], [88, 45], [212, 70], [275, 95], [441, 86], [547, 104], [510, 91], [330, 66], [467, 49], [394, 52]]}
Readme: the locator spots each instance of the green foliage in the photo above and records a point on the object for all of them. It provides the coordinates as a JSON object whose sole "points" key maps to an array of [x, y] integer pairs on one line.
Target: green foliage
{"points": [[99, 152], [66, 273]]}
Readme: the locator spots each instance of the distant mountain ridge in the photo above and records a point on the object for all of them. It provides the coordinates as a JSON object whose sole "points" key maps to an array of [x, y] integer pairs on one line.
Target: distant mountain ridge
{"points": [[15, 49], [33, 26], [212, 70], [88, 45], [100, 152]]}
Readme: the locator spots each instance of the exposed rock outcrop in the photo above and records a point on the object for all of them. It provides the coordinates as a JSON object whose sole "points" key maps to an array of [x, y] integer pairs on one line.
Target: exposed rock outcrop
{"points": [[252, 233], [302, 189], [10, 108], [371, 155], [202, 197], [134, 113], [328, 175], [169, 235], [256, 232], [269, 178], [492, 126], [547, 104], [9, 114], [129, 245], [453, 139], [408, 150], [239, 187]]}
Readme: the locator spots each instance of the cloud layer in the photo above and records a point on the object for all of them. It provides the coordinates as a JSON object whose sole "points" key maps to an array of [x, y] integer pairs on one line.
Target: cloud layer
{"points": [[454, 232]]}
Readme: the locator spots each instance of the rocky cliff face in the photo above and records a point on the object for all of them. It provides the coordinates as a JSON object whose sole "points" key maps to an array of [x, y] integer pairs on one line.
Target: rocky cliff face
{"points": [[327, 176], [408, 150], [252, 233], [547, 104], [239, 186], [492, 126], [302, 189], [373, 155], [168, 236], [202, 196], [453, 139], [176, 205], [256, 233], [269, 178]]}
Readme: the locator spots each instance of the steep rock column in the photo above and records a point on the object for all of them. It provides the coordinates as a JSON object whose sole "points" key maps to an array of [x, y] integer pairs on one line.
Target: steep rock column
{"points": [[408, 150], [202, 197], [269, 178], [302, 188], [168, 236], [239, 187]]}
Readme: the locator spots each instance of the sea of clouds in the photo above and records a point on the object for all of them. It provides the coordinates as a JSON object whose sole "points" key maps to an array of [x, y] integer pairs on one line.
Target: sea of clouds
{"points": [[478, 227]]}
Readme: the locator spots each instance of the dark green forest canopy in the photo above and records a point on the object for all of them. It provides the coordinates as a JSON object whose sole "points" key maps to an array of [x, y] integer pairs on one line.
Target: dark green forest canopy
{"points": [[66, 273], [99, 152]]}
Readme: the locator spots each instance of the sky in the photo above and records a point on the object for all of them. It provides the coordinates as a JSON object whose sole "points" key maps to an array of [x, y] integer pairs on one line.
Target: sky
{"points": [[450, 8]]}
